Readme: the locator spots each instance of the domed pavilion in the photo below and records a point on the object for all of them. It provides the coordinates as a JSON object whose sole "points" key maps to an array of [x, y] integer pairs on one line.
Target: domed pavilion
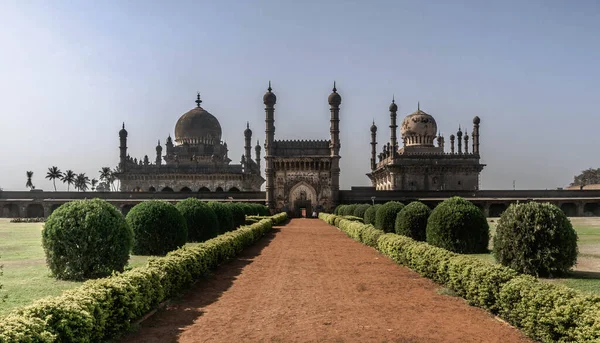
{"points": [[420, 164], [196, 161]]}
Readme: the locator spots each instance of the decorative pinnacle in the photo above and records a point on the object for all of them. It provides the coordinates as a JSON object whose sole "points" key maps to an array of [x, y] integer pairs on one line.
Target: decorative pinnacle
{"points": [[257, 142], [418, 106], [269, 89], [159, 142], [198, 101], [393, 99], [123, 125], [334, 89], [247, 124]]}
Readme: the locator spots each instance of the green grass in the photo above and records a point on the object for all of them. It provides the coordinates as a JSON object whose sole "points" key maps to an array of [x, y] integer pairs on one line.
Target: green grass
{"points": [[586, 275], [25, 275]]}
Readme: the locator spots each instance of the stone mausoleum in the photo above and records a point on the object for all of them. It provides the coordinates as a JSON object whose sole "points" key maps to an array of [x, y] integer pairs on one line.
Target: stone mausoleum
{"points": [[420, 164], [197, 161]]}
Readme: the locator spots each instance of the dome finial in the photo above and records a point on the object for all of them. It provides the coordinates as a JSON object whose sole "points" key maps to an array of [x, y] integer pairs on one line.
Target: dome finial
{"points": [[198, 101], [393, 99], [418, 105], [334, 89], [123, 126], [159, 142], [247, 124], [269, 89]]}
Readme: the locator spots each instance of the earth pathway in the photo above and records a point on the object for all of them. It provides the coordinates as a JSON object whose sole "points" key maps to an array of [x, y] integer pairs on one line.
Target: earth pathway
{"points": [[309, 282]]}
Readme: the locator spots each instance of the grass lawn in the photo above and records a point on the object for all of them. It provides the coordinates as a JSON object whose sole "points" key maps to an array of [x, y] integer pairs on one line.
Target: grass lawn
{"points": [[586, 274], [25, 275]]}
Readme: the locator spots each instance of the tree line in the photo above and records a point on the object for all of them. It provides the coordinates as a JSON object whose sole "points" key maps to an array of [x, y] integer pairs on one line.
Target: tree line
{"points": [[589, 176], [81, 182]]}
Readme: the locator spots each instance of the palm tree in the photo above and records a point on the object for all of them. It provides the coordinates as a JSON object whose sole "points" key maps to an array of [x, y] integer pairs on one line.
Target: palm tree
{"points": [[82, 182], [106, 174], [94, 183], [53, 174], [29, 184], [68, 178]]}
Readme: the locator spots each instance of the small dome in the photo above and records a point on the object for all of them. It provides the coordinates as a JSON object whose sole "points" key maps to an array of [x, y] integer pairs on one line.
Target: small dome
{"points": [[373, 127], [451, 137], [247, 132], [476, 120], [197, 125], [269, 98], [123, 132], [257, 146], [158, 147], [334, 98], [418, 128], [459, 132], [393, 106]]}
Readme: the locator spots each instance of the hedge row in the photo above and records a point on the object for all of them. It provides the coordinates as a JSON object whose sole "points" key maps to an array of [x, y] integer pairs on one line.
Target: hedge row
{"points": [[104, 308], [545, 312], [28, 220]]}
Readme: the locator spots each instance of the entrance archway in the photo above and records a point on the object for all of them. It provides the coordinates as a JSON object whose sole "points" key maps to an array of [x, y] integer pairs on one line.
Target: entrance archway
{"points": [[591, 209], [496, 210], [35, 211], [11, 211], [569, 208], [167, 189], [302, 197]]}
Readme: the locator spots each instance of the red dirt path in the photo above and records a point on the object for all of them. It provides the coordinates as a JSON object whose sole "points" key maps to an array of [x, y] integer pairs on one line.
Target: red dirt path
{"points": [[309, 282]]}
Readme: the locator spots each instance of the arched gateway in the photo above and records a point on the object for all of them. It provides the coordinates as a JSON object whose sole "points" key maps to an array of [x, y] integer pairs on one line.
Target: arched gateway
{"points": [[302, 199]]}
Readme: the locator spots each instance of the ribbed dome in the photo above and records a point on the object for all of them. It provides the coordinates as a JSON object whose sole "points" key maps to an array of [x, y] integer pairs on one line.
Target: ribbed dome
{"points": [[198, 126], [418, 128]]}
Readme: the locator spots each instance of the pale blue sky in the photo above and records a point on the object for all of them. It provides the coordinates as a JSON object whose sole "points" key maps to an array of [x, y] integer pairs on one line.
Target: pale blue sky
{"points": [[72, 71]]}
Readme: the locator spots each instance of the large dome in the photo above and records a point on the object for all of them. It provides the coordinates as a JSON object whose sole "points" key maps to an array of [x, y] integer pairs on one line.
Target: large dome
{"points": [[198, 126], [418, 128]]}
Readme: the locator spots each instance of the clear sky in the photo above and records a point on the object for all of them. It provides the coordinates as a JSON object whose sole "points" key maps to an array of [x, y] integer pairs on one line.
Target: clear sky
{"points": [[72, 71]]}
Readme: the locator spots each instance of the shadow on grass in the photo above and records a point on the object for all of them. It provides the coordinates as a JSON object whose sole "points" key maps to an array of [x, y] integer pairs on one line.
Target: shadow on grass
{"points": [[584, 275], [168, 323]]}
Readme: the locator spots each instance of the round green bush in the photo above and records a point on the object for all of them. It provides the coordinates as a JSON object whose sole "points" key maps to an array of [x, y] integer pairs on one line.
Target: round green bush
{"points": [[535, 238], [237, 214], [411, 221], [360, 210], [385, 217], [158, 227], [86, 239], [201, 220], [458, 225], [339, 210], [224, 216], [348, 210], [370, 214]]}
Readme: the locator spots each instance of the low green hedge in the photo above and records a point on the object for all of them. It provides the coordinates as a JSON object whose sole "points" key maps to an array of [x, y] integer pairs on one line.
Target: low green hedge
{"points": [[104, 308], [545, 312]]}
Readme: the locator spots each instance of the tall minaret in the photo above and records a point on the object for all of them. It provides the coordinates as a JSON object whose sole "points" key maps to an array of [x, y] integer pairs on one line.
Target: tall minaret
{"points": [[466, 138], [248, 146], [452, 144], [123, 147], [393, 126], [475, 135], [459, 139], [335, 100], [373, 146], [269, 99], [158, 154], [257, 151]]}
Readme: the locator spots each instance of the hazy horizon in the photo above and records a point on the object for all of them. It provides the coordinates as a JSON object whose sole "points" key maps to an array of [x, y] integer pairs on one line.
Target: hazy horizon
{"points": [[73, 73]]}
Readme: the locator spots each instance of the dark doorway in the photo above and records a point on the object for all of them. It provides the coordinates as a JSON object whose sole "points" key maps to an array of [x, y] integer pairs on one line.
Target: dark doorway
{"points": [[186, 190], [204, 189], [151, 189], [569, 208], [234, 189], [35, 211], [11, 211], [167, 189], [126, 208], [591, 209], [219, 189], [496, 210]]}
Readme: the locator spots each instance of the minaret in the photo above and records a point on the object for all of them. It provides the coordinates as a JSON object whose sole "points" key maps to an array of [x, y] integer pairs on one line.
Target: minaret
{"points": [[373, 146], [269, 99], [123, 147], [335, 100], [248, 146], [475, 135], [452, 144], [466, 143], [459, 140], [158, 154], [393, 126], [257, 151], [169, 144]]}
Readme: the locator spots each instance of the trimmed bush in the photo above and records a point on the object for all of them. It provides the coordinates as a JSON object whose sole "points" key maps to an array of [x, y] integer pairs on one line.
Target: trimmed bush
{"points": [[224, 216], [201, 220], [385, 217], [158, 227], [86, 239], [458, 225], [411, 221], [353, 218], [338, 209], [360, 210], [536, 239], [348, 210], [371, 213], [252, 209], [238, 215]]}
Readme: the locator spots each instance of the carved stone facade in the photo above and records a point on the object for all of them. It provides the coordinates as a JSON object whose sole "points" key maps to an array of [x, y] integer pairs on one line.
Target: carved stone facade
{"points": [[420, 165], [302, 175], [198, 161]]}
